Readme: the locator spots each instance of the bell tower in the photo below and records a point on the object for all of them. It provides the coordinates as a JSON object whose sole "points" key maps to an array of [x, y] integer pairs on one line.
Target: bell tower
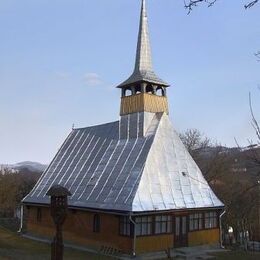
{"points": [[143, 91]]}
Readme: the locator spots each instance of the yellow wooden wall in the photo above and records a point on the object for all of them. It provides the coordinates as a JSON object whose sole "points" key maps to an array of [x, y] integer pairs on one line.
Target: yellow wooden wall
{"points": [[143, 102], [78, 228], [154, 243], [208, 236]]}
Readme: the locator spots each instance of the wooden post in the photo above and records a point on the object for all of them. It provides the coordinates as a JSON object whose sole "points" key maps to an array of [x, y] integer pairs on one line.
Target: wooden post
{"points": [[59, 205]]}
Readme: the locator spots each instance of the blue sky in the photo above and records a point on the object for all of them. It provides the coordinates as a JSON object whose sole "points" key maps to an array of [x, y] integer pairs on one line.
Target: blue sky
{"points": [[60, 61]]}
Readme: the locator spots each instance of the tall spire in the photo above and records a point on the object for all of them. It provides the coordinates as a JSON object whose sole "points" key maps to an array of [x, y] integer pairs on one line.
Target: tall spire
{"points": [[143, 60], [143, 71]]}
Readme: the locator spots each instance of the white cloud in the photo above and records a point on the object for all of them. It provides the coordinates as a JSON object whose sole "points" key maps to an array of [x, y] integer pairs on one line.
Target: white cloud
{"points": [[92, 79]]}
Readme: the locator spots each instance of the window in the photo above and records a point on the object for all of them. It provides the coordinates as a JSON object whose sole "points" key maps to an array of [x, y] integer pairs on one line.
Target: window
{"points": [[124, 226], [184, 225], [163, 224], [96, 223], [39, 214], [196, 221], [128, 92], [143, 226], [211, 219], [160, 91]]}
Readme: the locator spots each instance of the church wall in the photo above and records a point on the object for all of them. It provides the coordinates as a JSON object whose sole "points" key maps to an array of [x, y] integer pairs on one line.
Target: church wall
{"points": [[165, 242], [202, 237], [154, 243], [78, 229]]}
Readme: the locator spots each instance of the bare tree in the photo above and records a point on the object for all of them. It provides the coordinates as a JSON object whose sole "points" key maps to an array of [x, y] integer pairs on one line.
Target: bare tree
{"points": [[14, 187], [193, 3], [211, 158], [232, 175], [194, 140], [254, 121]]}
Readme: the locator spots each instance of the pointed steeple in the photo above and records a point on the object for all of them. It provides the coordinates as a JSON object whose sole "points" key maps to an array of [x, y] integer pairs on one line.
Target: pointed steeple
{"points": [[143, 61], [143, 71]]}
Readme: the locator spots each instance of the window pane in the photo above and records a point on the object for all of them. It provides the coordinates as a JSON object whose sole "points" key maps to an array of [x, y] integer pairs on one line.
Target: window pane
{"points": [[177, 226], [144, 228], [157, 228], [163, 227], [164, 218], [138, 229], [149, 229], [200, 223], [183, 225], [137, 220], [158, 218], [191, 224], [169, 227], [211, 219]]}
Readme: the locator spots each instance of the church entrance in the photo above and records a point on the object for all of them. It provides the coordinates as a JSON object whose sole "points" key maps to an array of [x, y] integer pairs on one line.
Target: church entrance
{"points": [[180, 231]]}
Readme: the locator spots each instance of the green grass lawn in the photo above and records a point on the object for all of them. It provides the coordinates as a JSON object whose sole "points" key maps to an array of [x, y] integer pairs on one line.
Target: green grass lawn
{"points": [[13, 246], [237, 255]]}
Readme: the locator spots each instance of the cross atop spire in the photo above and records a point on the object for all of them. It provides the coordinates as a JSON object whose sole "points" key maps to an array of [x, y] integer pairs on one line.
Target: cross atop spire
{"points": [[143, 71]]}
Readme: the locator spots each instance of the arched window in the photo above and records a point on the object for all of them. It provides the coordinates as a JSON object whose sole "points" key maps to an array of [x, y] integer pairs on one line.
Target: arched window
{"points": [[96, 223], [149, 89], [160, 91], [128, 92], [138, 89]]}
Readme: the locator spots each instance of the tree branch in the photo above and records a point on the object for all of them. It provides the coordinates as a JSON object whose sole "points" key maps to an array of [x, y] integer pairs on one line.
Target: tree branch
{"points": [[194, 3], [258, 55], [251, 4], [254, 121]]}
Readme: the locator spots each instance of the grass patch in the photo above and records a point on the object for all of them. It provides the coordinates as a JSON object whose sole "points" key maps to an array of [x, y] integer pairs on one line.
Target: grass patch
{"points": [[10, 223], [237, 255], [15, 247]]}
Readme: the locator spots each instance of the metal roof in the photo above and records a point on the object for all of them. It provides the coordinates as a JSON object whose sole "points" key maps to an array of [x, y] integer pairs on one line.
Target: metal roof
{"points": [[143, 70], [136, 164]]}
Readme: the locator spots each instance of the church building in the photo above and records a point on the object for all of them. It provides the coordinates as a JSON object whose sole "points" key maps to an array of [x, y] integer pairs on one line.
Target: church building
{"points": [[135, 188]]}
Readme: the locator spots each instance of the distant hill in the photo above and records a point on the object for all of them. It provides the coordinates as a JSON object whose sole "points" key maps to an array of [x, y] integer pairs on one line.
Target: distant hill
{"points": [[27, 165], [31, 166]]}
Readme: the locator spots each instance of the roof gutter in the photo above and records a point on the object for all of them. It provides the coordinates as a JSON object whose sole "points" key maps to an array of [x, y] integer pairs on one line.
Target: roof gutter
{"points": [[21, 220], [220, 229], [126, 213], [134, 242]]}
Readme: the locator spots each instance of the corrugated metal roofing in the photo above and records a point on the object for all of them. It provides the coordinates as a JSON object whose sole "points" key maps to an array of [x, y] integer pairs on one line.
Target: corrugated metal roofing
{"points": [[136, 164]]}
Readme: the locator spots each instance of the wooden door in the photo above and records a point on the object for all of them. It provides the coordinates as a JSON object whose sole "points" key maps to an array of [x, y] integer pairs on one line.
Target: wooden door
{"points": [[180, 231]]}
